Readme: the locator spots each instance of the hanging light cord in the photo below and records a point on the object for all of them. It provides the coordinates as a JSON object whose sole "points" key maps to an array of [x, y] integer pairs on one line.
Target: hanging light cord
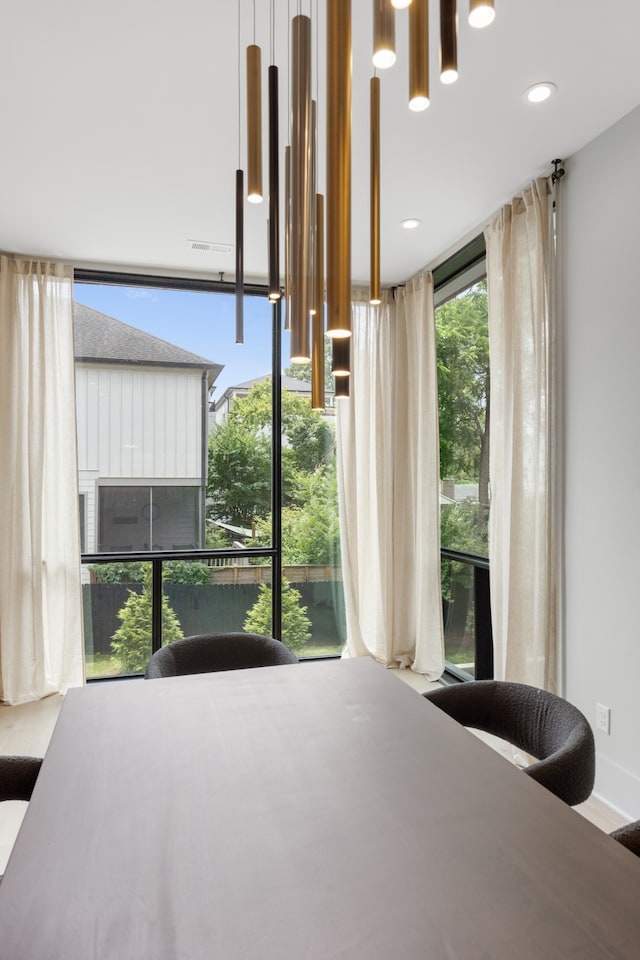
{"points": [[239, 94]]}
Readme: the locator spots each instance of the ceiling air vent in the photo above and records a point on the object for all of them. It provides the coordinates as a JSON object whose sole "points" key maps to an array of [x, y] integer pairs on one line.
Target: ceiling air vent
{"points": [[207, 247]]}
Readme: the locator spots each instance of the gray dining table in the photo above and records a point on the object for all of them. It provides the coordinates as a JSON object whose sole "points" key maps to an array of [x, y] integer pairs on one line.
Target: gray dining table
{"points": [[313, 811]]}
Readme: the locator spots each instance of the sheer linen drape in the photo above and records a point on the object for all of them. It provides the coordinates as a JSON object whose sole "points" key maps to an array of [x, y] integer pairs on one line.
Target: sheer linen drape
{"points": [[41, 646], [523, 536], [388, 484]]}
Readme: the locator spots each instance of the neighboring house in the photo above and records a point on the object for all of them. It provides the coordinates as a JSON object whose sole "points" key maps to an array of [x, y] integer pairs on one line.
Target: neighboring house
{"points": [[142, 420], [219, 409]]}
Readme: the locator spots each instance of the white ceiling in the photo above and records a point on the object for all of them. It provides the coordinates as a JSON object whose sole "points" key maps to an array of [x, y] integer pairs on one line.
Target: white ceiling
{"points": [[120, 125]]}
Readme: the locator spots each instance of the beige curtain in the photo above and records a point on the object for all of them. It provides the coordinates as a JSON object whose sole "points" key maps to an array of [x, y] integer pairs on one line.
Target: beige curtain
{"points": [[388, 484], [523, 529], [41, 646]]}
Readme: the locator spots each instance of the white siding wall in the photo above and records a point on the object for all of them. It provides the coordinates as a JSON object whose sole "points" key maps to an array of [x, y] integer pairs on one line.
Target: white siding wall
{"points": [[600, 205], [139, 422]]}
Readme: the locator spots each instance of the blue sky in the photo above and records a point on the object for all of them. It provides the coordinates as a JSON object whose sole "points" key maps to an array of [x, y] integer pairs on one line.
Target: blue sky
{"points": [[203, 323]]}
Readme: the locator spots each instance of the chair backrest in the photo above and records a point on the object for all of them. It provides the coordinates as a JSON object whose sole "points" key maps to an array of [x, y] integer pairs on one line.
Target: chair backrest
{"points": [[544, 725], [211, 652], [18, 776], [629, 836]]}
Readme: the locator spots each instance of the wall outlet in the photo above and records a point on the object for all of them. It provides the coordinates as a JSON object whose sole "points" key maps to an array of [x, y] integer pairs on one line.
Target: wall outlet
{"points": [[603, 718]]}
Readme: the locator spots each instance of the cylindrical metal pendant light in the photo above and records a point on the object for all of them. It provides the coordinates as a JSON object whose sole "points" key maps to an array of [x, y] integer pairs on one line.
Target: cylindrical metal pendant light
{"points": [[341, 357], [481, 13], [254, 124], [274, 188], [338, 226], [287, 236], [374, 293], [313, 186], [419, 55], [239, 256], [300, 189], [342, 387], [317, 322], [384, 34], [448, 41]]}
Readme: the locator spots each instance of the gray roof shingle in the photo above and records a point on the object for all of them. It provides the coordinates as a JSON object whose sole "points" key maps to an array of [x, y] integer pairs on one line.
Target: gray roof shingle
{"points": [[98, 337]]}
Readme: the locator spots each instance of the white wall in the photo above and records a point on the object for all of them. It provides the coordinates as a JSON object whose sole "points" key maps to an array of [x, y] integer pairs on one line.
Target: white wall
{"points": [[136, 421], [600, 248]]}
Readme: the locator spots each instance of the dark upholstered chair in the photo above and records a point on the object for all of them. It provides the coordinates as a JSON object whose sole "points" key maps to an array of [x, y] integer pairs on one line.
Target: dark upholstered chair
{"points": [[210, 652], [629, 836], [542, 724], [18, 777]]}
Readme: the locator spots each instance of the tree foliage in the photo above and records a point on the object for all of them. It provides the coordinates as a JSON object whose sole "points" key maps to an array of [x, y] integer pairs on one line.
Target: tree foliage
{"points": [[239, 482], [131, 642], [296, 626], [462, 337], [310, 530]]}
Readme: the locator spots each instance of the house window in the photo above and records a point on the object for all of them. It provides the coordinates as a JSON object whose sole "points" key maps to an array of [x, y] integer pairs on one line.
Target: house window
{"points": [[135, 518]]}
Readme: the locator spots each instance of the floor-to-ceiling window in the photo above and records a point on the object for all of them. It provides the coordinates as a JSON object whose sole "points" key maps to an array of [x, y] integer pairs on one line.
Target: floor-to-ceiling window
{"points": [[462, 340], [183, 494]]}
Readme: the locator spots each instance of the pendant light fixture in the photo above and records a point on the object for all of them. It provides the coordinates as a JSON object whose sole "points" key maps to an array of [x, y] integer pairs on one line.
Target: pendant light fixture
{"points": [[254, 119], [307, 264], [274, 175], [384, 34], [374, 292], [341, 358], [338, 225], [313, 186], [448, 41], [419, 55], [300, 187], [239, 217], [341, 367], [317, 322], [481, 13]]}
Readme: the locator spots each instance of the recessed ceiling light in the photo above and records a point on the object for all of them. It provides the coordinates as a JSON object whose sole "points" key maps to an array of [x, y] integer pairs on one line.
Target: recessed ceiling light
{"points": [[540, 92], [411, 223]]}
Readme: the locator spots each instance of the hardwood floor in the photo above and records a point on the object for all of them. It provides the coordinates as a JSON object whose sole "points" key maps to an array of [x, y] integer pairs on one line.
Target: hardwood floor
{"points": [[27, 729]]}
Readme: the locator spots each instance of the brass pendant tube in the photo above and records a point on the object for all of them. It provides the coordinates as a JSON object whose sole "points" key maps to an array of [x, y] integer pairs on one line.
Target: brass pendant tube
{"points": [[338, 226], [239, 256], [384, 34], [300, 191], [374, 293], [341, 357], [313, 187], [481, 13], [254, 124], [342, 387], [287, 236], [274, 188], [341, 367], [448, 41], [419, 55], [317, 322]]}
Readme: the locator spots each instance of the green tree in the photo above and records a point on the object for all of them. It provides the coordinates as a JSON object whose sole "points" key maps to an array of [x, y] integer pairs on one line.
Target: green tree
{"points": [[239, 482], [310, 533], [131, 642], [296, 626], [462, 336]]}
